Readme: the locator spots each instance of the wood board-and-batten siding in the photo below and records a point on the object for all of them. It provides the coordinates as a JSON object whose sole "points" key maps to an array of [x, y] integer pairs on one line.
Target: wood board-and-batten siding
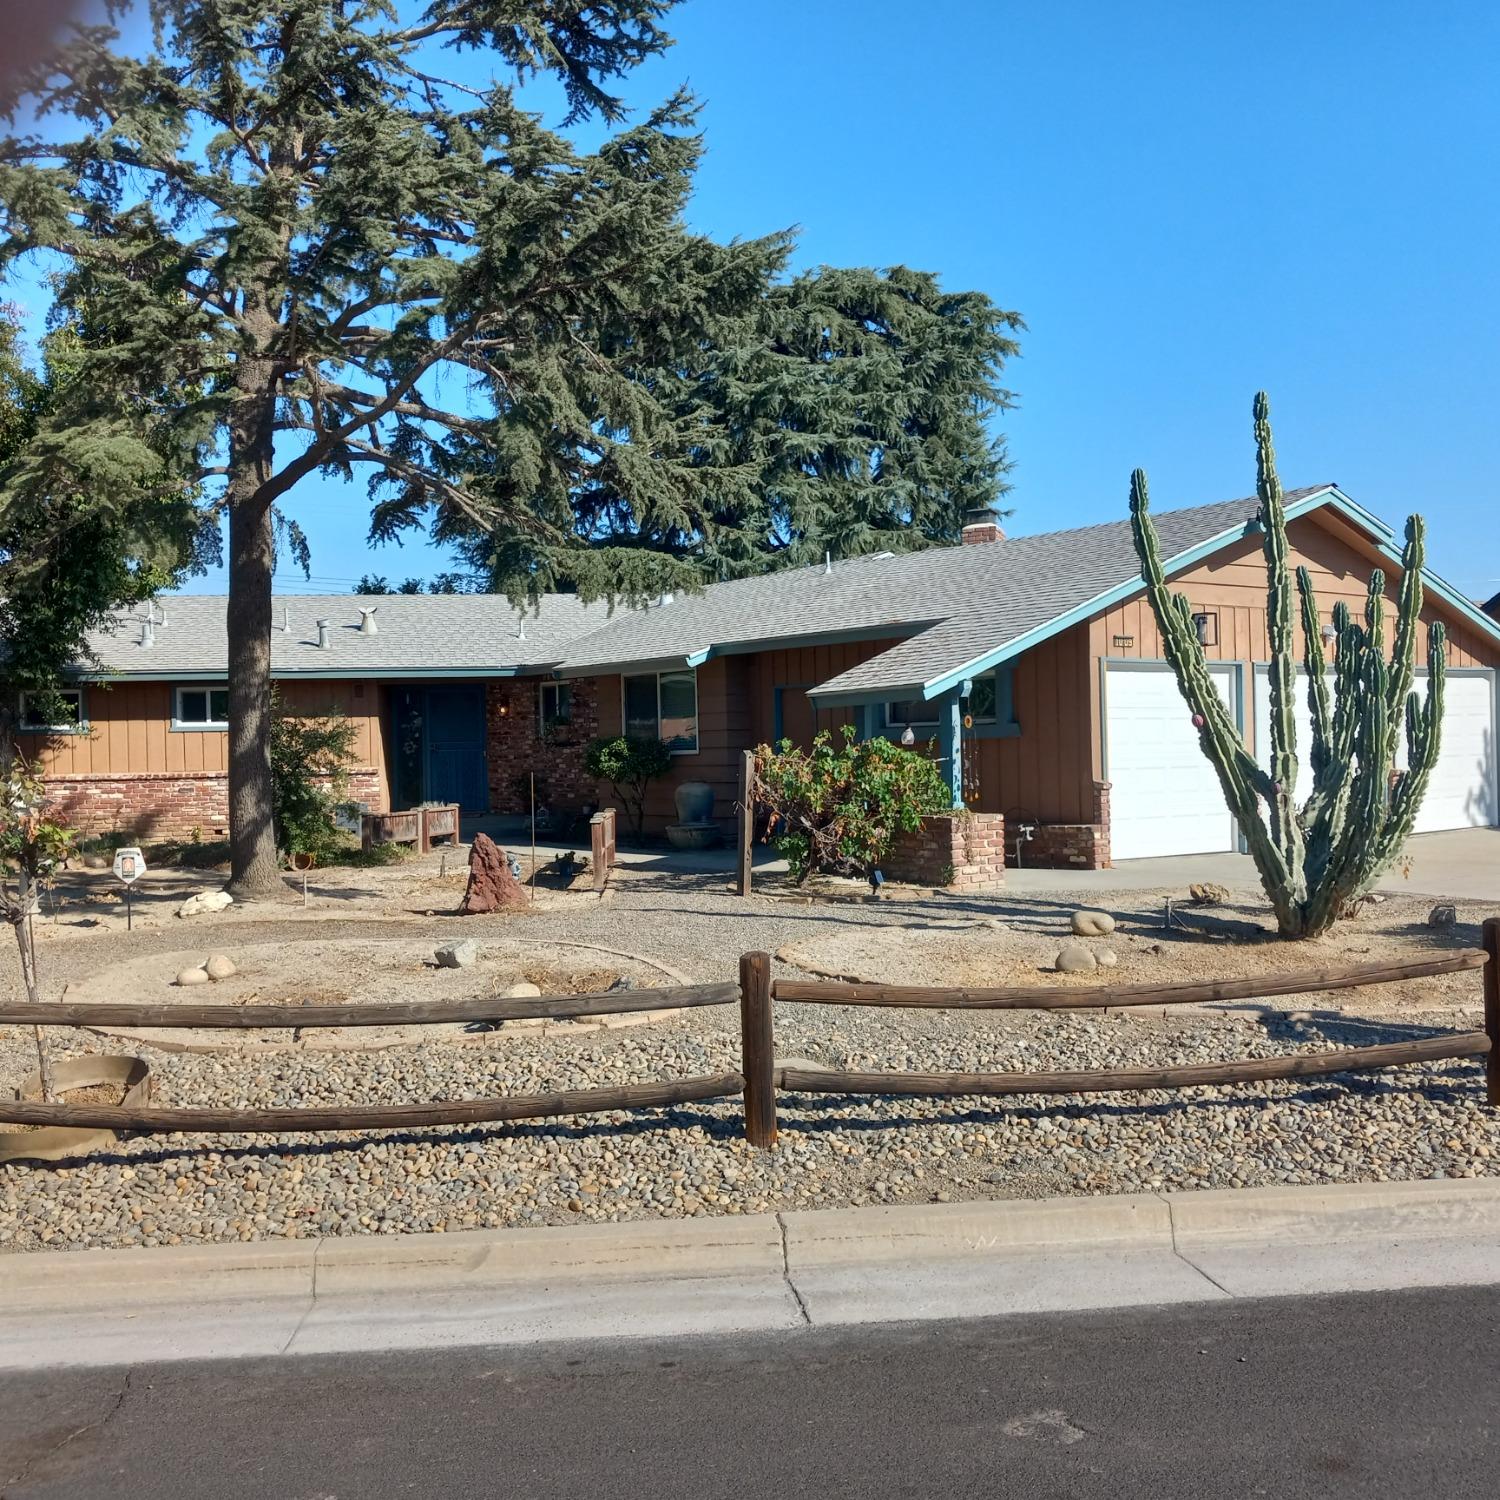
{"points": [[130, 731]]}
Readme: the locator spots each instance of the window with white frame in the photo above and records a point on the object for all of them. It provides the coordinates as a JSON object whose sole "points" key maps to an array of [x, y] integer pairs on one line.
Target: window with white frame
{"points": [[555, 706], [662, 706], [64, 715], [201, 708]]}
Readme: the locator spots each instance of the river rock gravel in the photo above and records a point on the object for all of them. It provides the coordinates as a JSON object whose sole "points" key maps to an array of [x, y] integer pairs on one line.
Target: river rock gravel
{"points": [[1414, 1122]]}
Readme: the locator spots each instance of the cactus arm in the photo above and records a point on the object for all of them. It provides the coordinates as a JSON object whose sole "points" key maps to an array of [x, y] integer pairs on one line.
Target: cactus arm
{"points": [[1408, 622], [1424, 742], [1315, 666], [1286, 828]]}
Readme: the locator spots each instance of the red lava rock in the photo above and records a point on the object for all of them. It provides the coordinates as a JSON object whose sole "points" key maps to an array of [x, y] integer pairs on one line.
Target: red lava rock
{"points": [[491, 885]]}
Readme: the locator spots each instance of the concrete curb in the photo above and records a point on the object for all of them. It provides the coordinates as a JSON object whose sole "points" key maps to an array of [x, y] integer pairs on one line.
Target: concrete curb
{"points": [[727, 1274]]}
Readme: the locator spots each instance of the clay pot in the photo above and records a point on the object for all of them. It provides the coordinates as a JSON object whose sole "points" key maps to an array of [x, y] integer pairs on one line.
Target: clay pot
{"points": [[695, 802], [61, 1142]]}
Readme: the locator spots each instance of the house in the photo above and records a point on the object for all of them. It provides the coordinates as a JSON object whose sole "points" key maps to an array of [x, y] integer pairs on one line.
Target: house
{"points": [[1031, 664]]}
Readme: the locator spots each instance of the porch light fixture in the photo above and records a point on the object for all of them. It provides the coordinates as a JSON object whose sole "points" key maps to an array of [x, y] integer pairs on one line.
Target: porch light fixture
{"points": [[1207, 625], [908, 736], [1329, 634]]}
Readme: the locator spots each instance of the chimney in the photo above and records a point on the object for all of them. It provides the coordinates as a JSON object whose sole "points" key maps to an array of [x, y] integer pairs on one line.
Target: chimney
{"points": [[323, 642], [367, 625], [981, 526]]}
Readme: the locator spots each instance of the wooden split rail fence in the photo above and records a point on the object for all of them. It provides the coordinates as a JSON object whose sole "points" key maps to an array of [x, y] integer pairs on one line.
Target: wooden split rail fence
{"points": [[761, 1077]]}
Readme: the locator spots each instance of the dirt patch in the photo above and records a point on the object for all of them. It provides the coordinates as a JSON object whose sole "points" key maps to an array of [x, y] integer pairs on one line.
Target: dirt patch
{"points": [[378, 972], [1020, 947], [93, 1093]]}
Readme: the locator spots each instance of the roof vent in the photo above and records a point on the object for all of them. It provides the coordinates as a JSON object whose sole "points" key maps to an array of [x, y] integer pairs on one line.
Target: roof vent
{"points": [[323, 641], [367, 625], [665, 599], [148, 628], [980, 526]]}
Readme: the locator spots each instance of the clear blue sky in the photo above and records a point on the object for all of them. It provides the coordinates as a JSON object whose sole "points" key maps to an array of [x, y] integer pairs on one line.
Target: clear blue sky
{"points": [[1186, 202]]}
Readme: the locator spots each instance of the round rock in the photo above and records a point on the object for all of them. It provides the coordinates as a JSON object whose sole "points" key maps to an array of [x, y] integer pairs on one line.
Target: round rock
{"points": [[522, 989], [1093, 924], [220, 966], [1076, 959], [192, 976], [1106, 958]]}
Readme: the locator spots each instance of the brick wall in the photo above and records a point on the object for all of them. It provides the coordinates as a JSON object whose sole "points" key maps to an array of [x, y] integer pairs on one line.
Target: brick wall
{"points": [[1073, 846], [514, 747], [166, 805], [959, 851]]}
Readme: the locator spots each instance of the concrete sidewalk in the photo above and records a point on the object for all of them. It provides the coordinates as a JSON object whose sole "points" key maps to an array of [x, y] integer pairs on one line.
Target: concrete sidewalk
{"points": [[729, 1275]]}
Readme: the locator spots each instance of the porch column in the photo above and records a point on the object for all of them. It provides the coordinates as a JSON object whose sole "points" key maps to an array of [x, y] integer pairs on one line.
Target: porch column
{"points": [[950, 740]]}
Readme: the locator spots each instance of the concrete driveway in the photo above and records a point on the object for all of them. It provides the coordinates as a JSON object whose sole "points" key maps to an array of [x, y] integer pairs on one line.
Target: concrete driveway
{"points": [[1463, 865]]}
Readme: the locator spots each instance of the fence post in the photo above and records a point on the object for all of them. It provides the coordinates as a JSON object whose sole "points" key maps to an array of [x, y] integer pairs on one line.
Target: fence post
{"points": [[1492, 1007], [747, 820], [598, 851], [759, 1055]]}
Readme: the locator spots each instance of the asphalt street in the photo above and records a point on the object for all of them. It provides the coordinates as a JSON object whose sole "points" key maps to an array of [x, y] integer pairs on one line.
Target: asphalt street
{"points": [[1396, 1394]]}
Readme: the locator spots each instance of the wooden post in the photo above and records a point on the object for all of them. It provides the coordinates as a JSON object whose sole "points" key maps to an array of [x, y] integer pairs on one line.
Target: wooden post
{"points": [[759, 1038], [747, 820], [598, 851], [1492, 1007]]}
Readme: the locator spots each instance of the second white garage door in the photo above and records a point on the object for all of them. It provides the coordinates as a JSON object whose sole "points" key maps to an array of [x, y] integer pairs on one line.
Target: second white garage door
{"points": [[1462, 791], [1164, 795]]}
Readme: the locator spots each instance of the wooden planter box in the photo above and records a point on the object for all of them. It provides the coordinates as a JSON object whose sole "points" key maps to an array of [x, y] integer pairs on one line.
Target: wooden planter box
{"points": [[391, 828], [440, 825]]}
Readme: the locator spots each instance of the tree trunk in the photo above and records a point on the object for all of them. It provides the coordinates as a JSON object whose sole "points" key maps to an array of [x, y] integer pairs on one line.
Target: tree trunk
{"points": [[255, 872]]}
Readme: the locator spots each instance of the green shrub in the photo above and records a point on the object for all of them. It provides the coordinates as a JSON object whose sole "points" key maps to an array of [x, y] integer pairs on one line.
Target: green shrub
{"points": [[629, 765], [310, 759], [837, 807]]}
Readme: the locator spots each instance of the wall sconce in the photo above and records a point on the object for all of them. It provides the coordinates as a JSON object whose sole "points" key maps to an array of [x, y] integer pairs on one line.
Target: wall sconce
{"points": [[1329, 634], [908, 737], [1207, 624]]}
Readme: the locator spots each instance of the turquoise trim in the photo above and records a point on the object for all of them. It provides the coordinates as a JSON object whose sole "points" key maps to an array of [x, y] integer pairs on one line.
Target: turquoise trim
{"points": [[1332, 497]]}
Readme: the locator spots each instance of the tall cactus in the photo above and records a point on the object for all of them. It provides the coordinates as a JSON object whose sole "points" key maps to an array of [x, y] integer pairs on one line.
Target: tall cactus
{"points": [[1316, 856]]}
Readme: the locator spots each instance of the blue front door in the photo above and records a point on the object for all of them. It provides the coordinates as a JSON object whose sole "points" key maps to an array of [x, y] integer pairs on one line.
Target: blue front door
{"points": [[454, 733]]}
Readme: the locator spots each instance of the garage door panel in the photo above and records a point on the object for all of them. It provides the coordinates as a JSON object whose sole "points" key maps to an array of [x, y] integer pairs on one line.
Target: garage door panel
{"points": [[1164, 795], [1462, 790]]}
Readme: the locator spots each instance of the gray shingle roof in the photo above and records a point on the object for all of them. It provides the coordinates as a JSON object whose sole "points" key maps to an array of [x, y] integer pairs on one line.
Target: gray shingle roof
{"points": [[954, 603], [951, 605], [416, 633]]}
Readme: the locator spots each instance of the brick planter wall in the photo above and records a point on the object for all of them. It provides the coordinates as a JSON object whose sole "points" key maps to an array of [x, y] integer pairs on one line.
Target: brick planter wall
{"points": [[958, 851], [514, 746], [1073, 846], [165, 805]]}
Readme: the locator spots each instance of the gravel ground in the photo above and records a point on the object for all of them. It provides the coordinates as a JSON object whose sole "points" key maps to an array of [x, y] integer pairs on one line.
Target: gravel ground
{"points": [[1427, 1121]]}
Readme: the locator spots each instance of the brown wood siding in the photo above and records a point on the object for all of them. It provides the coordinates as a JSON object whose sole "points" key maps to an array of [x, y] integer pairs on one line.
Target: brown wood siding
{"points": [[131, 730], [794, 671]]}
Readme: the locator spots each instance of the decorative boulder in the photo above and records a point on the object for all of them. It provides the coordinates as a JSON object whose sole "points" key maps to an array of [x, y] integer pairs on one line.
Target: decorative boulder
{"points": [[1093, 924], [522, 989], [1107, 958], [192, 976], [205, 902], [492, 883], [1076, 959], [1208, 893], [220, 966], [462, 955], [1443, 916]]}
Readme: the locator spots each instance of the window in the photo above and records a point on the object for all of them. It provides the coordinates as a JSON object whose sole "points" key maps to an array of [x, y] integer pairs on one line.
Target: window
{"points": [[556, 706], [917, 712], [989, 706], [202, 708], [66, 716], [664, 706], [981, 706]]}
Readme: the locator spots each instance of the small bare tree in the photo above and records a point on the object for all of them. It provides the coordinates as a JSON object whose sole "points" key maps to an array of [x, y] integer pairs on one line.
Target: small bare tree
{"points": [[31, 848]]}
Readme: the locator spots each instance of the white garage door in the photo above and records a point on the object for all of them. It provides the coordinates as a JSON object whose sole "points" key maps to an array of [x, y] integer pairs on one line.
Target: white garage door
{"points": [[1164, 795], [1462, 791]]}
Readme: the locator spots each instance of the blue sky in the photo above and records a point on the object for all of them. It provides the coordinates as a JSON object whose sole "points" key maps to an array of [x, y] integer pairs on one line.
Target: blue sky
{"points": [[1186, 202]]}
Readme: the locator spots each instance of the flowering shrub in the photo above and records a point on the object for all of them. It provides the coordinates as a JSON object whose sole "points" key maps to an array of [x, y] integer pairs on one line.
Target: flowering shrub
{"points": [[837, 806]]}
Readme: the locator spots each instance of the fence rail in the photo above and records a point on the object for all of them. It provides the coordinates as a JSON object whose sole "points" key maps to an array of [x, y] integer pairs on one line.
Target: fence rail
{"points": [[760, 1076], [111, 1013]]}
